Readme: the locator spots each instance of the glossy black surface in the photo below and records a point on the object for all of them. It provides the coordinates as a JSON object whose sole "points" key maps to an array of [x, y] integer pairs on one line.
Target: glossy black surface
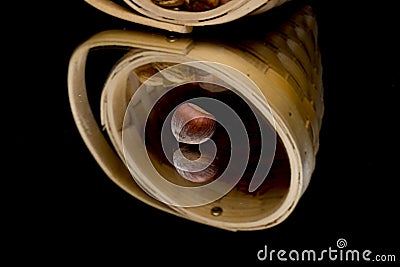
{"points": [[66, 210]]}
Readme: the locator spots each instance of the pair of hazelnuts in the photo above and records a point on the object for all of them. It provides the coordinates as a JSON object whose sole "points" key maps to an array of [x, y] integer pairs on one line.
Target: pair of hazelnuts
{"points": [[193, 126]]}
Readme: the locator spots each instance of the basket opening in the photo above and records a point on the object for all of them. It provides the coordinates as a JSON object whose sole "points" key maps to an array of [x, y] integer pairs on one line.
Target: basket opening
{"points": [[239, 205]]}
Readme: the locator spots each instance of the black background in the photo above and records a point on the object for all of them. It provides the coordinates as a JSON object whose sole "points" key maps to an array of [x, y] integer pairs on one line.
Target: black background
{"points": [[66, 210]]}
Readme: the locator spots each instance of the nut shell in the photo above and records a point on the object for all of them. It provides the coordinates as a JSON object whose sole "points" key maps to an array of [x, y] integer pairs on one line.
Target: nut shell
{"points": [[191, 124], [201, 5], [169, 3], [193, 166]]}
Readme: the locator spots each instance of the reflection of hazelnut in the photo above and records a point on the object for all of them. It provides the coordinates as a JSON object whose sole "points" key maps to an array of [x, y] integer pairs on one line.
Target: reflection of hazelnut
{"points": [[193, 166], [191, 124]]}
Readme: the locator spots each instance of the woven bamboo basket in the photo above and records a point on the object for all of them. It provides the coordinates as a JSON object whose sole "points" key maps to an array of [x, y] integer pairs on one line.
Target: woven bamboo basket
{"points": [[278, 69], [146, 12]]}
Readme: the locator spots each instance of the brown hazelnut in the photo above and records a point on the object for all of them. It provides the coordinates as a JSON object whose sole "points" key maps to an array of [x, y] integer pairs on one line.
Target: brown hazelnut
{"points": [[201, 5], [169, 3], [191, 124], [193, 166]]}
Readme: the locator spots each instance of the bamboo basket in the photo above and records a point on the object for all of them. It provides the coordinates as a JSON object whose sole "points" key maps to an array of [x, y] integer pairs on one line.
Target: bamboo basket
{"points": [[148, 13], [285, 66]]}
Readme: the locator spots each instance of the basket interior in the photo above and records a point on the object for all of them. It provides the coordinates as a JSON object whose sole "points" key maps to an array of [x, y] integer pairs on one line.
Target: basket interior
{"points": [[239, 205]]}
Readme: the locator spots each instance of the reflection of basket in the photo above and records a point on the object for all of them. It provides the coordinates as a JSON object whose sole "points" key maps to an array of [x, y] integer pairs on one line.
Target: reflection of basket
{"points": [[284, 64], [147, 13]]}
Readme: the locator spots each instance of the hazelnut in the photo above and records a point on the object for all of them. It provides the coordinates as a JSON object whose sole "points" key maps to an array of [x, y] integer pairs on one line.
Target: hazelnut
{"points": [[191, 124], [193, 166], [169, 3], [201, 5]]}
